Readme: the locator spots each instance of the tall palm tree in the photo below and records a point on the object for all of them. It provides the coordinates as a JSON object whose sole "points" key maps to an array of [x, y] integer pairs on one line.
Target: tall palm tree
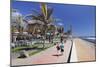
{"points": [[43, 16]]}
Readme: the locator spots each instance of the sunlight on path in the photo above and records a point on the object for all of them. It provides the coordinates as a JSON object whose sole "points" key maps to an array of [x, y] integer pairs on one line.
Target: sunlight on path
{"points": [[74, 54]]}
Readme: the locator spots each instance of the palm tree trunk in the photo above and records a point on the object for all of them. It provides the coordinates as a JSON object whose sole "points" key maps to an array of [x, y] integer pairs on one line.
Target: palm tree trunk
{"points": [[45, 31]]}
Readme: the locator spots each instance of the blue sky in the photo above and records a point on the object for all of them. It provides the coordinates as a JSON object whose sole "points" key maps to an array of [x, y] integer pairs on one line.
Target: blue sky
{"points": [[82, 18]]}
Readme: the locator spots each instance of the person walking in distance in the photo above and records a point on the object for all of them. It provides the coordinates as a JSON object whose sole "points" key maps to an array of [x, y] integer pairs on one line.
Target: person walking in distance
{"points": [[62, 48], [61, 40], [57, 47]]}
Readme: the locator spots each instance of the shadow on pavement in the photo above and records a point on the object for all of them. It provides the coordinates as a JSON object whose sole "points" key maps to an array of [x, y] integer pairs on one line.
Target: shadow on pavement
{"points": [[57, 55]]}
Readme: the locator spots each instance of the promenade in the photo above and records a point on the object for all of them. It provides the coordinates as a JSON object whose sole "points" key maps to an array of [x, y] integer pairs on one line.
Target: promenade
{"points": [[81, 51], [85, 50]]}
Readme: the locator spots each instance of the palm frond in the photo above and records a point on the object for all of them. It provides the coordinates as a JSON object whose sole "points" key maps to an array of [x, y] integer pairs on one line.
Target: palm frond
{"points": [[44, 9], [50, 11]]}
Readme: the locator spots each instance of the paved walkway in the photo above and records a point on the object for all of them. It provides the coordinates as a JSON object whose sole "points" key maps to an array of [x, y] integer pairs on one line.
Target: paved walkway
{"points": [[81, 51], [85, 50], [74, 57], [46, 57]]}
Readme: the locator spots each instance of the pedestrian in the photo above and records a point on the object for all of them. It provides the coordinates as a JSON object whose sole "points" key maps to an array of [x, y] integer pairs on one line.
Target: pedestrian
{"points": [[62, 48], [61, 38], [57, 47]]}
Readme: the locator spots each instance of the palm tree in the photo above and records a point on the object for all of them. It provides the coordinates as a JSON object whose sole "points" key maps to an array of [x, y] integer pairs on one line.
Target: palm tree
{"points": [[43, 16], [16, 23]]}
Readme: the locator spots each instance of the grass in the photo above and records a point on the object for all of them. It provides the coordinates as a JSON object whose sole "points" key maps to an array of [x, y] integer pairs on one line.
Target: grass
{"points": [[33, 53], [22, 47], [38, 46], [17, 49]]}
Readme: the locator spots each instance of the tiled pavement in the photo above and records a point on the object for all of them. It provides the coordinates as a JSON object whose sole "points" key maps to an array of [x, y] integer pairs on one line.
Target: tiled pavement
{"points": [[81, 51], [85, 50], [47, 56]]}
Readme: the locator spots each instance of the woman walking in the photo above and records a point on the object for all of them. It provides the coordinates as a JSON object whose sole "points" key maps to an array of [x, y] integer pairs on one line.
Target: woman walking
{"points": [[57, 47], [62, 48]]}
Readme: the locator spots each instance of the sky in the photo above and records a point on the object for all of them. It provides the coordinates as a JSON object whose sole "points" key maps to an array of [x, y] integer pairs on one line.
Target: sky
{"points": [[81, 17]]}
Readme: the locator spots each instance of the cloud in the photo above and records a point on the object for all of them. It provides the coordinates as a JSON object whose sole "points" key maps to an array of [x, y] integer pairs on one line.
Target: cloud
{"points": [[60, 24]]}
